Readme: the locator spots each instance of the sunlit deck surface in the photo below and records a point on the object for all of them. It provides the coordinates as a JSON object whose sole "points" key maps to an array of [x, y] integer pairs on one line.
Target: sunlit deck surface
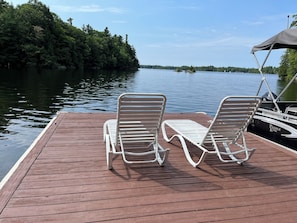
{"points": [[64, 179]]}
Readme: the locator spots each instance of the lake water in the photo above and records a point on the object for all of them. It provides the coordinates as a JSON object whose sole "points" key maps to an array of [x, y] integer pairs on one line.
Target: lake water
{"points": [[30, 99]]}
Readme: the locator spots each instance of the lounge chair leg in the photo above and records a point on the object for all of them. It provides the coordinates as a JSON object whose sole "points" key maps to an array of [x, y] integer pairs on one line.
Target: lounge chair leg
{"points": [[108, 153], [162, 156], [184, 146], [186, 151], [232, 155]]}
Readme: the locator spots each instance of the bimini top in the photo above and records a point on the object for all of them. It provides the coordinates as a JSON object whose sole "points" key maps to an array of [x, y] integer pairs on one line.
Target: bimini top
{"points": [[284, 39]]}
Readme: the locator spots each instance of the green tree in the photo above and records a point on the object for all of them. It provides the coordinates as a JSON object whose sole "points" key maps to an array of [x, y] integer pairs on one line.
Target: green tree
{"points": [[37, 24], [10, 37], [32, 36], [284, 64], [288, 64], [292, 68], [3, 6]]}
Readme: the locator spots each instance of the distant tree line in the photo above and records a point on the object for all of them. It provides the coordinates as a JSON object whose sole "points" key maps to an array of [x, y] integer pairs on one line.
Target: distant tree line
{"points": [[33, 36], [267, 70], [288, 65]]}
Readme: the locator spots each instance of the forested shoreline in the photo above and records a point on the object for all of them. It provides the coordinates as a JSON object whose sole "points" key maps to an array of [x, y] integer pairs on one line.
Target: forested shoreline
{"points": [[33, 36], [267, 70]]}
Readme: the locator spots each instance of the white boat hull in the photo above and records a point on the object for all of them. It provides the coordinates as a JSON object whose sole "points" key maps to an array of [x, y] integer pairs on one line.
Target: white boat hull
{"points": [[276, 123]]}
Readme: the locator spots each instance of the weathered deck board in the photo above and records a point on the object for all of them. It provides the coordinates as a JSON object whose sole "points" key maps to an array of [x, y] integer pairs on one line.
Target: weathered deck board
{"points": [[64, 179]]}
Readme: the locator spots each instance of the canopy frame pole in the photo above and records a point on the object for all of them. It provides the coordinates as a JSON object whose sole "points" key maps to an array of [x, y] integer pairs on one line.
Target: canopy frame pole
{"points": [[260, 68]]}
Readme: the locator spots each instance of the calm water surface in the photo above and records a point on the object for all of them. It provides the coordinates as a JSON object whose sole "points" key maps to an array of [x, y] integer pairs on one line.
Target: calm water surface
{"points": [[30, 99]]}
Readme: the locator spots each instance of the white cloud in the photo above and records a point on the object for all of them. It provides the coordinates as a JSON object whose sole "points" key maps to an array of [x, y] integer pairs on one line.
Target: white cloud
{"points": [[119, 21], [253, 23], [154, 45], [86, 8], [268, 19], [224, 42]]}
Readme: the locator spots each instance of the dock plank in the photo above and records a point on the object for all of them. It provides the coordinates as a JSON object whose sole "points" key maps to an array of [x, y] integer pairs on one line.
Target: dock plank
{"points": [[64, 179]]}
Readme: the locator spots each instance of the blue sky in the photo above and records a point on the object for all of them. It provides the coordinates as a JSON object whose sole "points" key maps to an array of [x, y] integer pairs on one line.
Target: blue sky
{"points": [[184, 32]]}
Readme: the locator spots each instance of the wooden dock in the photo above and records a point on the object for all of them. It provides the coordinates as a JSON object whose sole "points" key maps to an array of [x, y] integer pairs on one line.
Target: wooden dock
{"points": [[63, 178]]}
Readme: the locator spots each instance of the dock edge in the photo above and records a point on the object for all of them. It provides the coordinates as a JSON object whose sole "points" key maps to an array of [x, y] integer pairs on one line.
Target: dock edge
{"points": [[16, 165]]}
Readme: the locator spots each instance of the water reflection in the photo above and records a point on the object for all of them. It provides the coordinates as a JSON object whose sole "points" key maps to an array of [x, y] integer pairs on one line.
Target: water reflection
{"points": [[29, 99], [93, 92], [35, 96]]}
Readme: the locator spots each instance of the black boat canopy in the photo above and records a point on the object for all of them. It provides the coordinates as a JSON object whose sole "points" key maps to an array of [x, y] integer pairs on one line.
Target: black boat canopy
{"points": [[285, 39]]}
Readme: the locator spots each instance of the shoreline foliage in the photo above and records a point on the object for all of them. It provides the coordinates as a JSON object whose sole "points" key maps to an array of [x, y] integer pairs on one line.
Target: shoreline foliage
{"points": [[288, 64], [33, 36], [192, 69]]}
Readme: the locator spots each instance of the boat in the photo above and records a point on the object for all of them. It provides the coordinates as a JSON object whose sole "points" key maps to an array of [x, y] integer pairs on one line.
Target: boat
{"points": [[276, 118]]}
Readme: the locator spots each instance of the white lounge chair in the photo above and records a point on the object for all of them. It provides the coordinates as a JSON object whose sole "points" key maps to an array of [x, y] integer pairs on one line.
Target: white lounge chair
{"points": [[134, 133], [225, 135]]}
